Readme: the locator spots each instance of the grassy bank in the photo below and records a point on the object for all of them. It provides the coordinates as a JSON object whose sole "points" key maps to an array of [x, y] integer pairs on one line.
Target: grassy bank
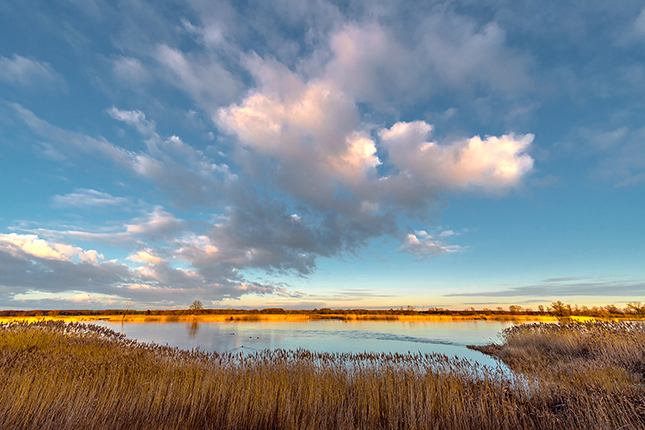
{"points": [[607, 357], [558, 311], [275, 318], [76, 376]]}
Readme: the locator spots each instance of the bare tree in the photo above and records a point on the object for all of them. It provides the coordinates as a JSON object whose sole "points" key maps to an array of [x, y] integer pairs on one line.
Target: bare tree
{"points": [[637, 308]]}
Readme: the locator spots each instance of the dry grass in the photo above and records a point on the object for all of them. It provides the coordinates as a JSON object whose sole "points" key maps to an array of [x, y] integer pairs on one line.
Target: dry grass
{"points": [[607, 354], [75, 376], [597, 361]]}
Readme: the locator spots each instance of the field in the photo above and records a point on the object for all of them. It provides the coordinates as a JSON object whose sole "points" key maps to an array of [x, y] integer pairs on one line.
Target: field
{"points": [[76, 376]]}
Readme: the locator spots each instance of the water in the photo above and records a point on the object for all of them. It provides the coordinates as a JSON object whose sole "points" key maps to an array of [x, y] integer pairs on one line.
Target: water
{"points": [[449, 338]]}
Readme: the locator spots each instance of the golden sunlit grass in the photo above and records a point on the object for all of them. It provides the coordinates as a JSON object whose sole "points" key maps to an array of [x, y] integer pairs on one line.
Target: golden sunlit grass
{"points": [[76, 376], [276, 318], [592, 355]]}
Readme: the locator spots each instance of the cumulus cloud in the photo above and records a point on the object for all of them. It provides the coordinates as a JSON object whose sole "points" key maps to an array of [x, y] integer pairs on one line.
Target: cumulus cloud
{"points": [[315, 129], [25, 72], [425, 245], [495, 163], [311, 133], [306, 137], [145, 256], [33, 246], [157, 222], [35, 269], [378, 64]]}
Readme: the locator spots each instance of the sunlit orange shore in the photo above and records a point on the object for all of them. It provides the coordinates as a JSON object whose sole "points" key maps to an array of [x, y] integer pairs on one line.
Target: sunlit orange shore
{"points": [[302, 317], [557, 312]]}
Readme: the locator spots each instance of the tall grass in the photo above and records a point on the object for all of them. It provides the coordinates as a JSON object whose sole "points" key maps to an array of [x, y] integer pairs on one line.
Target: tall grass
{"points": [[74, 376], [596, 355]]}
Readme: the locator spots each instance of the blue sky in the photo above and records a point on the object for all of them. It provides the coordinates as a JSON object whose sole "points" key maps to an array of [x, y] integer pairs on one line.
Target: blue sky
{"points": [[308, 154]]}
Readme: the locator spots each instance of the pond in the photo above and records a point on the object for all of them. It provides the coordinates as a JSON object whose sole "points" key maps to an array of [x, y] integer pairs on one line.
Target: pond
{"points": [[449, 338]]}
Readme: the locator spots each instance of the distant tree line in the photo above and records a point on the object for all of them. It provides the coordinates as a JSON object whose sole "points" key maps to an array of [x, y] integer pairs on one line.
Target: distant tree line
{"points": [[557, 308]]}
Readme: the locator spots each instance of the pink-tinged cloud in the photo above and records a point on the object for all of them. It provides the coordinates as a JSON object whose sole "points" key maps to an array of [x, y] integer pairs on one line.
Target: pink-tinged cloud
{"points": [[493, 164], [316, 126], [157, 222], [146, 257], [34, 246]]}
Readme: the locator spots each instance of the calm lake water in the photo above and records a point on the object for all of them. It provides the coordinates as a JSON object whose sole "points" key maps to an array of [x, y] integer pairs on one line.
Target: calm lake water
{"points": [[448, 338]]}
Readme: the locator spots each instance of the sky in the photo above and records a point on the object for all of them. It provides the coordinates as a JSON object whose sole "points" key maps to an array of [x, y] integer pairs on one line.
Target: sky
{"points": [[308, 154]]}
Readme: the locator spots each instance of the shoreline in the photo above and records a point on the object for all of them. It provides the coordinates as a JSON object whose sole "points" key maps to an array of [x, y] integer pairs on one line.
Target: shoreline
{"points": [[301, 318]]}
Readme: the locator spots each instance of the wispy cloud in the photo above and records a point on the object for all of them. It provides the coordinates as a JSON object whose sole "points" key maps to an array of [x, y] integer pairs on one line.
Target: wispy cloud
{"points": [[88, 198], [26, 72], [130, 70], [571, 286]]}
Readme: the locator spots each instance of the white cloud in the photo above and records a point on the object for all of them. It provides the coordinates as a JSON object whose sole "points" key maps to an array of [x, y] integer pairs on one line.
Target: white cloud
{"points": [[135, 118], [146, 256], [157, 222], [24, 72], [312, 130], [494, 164], [75, 297], [35, 269], [425, 245], [32, 245]]}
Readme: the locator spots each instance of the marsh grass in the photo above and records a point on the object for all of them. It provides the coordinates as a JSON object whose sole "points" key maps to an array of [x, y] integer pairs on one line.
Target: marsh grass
{"points": [[76, 376], [606, 355], [598, 364]]}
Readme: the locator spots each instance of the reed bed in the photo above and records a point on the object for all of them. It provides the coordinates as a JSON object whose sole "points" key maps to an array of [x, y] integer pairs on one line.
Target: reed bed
{"points": [[595, 355], [75, 376]]}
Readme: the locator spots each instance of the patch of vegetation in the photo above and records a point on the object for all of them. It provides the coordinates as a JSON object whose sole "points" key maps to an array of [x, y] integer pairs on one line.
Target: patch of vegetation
{"points": [[609, 356], [76, 376], [601, 364]]}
